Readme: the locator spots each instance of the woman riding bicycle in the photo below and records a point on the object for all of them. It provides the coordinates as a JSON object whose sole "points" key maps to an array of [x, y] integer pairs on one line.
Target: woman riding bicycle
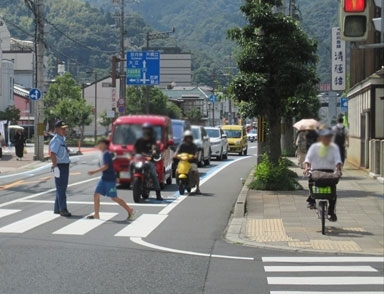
{"points": [[324, 156]]}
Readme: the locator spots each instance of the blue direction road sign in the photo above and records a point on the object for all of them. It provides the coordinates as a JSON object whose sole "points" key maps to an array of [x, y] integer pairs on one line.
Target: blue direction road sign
{"points": [[212, 98], [143, 68], [121, 108], [34, 94], [344, 104]]}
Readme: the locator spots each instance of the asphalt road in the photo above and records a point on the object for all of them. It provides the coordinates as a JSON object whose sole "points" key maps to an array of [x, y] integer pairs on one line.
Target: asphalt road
{"points": [[175, 246]]}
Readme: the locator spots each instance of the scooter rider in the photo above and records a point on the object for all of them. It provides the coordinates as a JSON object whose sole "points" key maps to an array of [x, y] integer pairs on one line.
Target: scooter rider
{"points": [[187, 146], [147, 145]]}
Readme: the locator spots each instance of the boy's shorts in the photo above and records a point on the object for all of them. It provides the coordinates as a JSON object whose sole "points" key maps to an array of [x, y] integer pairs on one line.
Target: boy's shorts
{"points": [[106, 188]]}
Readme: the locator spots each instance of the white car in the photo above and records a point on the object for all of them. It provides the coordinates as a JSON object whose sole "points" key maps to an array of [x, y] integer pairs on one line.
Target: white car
{"points": [[201, 139], [219, 143], [252, 135]]}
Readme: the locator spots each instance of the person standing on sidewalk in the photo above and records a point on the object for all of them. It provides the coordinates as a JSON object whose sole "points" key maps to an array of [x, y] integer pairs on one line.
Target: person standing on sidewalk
{"points": [[341, 137], [324, 156], [107, 184], [19, 141], [60, 166], [2, 143]]}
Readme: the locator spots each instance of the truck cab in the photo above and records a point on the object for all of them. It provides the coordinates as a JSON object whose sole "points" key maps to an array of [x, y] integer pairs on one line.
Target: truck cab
{"points": [[125, 132]]}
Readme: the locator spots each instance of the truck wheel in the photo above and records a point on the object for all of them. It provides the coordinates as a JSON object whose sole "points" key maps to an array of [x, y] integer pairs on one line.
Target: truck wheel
{"points": [[246, 151]]}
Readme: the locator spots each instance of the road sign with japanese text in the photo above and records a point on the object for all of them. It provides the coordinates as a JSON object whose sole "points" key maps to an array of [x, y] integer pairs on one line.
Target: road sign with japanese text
{"points": [[143, 68]]}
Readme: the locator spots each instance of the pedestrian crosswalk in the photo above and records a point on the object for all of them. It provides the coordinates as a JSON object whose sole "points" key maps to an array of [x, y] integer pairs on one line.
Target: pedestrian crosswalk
{"points": [[19, 223], [325, 275]]}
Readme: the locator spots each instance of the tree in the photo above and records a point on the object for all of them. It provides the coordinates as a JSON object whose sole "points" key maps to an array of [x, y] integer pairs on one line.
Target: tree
{"points": [[158, 102], [276, 60], [64, 101], [11, 113], [194, 116], [105, 121]]}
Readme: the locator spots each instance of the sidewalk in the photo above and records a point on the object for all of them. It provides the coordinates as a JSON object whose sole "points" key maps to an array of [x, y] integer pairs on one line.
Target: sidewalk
{"points": [[277, 219], [9, 164]]}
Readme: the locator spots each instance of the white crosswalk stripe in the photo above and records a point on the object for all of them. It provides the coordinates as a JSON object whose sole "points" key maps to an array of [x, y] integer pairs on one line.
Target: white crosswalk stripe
{"points": [[6, 212], [310, 275], [83, 226], [29, 223]]}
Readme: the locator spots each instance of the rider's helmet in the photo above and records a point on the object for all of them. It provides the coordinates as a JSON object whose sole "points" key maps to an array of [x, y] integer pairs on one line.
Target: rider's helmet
{"points": [[188, 135], [147, 130]]}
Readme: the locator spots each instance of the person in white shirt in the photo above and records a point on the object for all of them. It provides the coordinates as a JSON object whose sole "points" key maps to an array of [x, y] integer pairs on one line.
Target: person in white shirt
{"points": [[324, 156]]}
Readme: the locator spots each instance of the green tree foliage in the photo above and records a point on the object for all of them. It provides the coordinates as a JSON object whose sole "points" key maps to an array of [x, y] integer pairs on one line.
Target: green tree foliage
{"points": [[275, 62], [11, 113], [194, 116], [158, 102], [64, 101]]}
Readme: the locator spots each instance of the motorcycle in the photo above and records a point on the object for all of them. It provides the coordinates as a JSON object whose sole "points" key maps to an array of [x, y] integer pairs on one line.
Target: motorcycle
{"points": [[184, 177], [142, 181]]}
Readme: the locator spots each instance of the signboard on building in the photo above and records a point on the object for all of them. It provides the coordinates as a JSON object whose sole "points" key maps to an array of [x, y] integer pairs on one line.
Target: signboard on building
{"points": [[338, 61], [143, 68], [113, 95]]}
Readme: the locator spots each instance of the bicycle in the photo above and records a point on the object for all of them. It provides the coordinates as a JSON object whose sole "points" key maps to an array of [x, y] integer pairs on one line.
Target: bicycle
{"points": [[323, 189]]}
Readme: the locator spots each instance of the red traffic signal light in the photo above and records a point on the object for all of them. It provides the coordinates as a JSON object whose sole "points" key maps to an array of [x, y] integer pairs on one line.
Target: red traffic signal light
{"points": [[355, 5]]}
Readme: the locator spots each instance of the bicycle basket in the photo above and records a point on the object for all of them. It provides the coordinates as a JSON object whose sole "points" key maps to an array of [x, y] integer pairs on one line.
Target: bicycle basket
{"points": [[324, 179]]}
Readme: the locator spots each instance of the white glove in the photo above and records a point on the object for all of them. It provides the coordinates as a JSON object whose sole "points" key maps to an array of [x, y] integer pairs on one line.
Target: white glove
{"points": [[56, 172]]}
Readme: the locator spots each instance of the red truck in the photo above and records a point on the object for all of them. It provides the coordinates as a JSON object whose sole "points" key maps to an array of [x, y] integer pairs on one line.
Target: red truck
{"points": [[126, 130]]}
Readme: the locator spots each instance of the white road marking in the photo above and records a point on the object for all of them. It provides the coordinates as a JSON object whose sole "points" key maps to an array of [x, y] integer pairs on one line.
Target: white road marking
{"points": [[29, 223], [91, 203], [327, 292], [6, 212], [325, 280], [142, 226], [46, 192], [315, 268], [324, 259], [141, 242], [83, 226]]}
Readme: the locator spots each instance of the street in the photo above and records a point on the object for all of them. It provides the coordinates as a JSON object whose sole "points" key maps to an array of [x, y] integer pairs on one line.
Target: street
{"points": [[175, 246]]}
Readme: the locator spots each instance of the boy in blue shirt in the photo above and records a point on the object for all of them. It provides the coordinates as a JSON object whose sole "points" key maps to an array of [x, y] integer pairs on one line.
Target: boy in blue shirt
{"points": [[107, 184]]}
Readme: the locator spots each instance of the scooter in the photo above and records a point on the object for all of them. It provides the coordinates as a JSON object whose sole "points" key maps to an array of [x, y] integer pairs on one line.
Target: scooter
{"points": [[142, 181], [184, 177]]}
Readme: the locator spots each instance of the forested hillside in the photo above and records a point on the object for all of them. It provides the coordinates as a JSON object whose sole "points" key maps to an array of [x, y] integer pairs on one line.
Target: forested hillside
{"points": [[84, 34]]}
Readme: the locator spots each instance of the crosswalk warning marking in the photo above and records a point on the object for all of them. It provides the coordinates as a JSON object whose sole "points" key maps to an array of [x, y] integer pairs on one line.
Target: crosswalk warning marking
{"points": [[325, 281], [6, 212], [29, 223], [325, 292], [309, 259], [142, 226], [83, 226], [314, 268]]}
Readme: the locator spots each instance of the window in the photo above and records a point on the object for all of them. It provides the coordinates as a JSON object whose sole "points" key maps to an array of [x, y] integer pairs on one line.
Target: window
{"points": [[233, 133], [213, 133], [126, 134]]}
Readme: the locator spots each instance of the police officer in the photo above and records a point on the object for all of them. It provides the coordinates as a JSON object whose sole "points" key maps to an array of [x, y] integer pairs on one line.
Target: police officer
{"points": [[60, 166]]}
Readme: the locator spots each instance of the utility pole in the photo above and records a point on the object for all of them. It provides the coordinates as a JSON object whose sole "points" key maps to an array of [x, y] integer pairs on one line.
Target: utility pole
{"points": [[95, 130], [230, 119], [39, 104], [122, 58]]}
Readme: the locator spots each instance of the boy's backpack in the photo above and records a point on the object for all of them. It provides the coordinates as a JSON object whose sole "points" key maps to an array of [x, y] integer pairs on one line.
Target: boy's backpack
{"points": [[340, 137]]}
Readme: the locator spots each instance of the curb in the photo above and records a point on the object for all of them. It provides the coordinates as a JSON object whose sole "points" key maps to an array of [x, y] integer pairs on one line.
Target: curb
{"points": [[235, 231]]}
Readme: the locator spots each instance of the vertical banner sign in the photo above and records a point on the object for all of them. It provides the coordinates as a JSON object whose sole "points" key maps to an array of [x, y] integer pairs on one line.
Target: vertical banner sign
{"points": [[113, 95], [338, 61]]}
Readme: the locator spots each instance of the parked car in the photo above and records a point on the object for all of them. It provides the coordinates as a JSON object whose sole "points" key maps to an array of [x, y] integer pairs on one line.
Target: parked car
{"points": [[237, 139], [219, 143], [252, 135], [126, 130], [201, 139]]}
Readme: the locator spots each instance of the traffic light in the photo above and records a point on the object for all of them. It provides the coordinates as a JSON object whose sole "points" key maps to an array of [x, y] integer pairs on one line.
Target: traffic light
{"points": [[354, 20]]}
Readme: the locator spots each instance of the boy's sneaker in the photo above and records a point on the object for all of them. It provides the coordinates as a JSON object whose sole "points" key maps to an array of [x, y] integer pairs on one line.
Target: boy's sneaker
{"points": [[131, 216]]}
